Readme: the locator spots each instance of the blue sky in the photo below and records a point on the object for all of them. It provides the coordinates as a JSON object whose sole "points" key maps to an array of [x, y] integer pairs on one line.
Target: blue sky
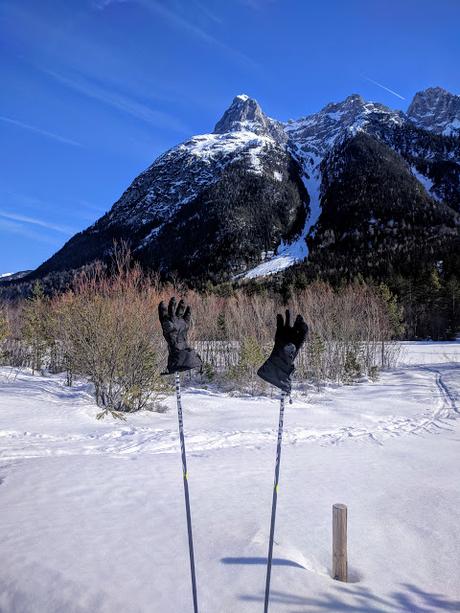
{"points": [[93, 90]]}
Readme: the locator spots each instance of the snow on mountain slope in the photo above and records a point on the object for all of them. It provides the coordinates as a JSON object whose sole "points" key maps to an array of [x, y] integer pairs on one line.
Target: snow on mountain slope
{"points": [[310, 139], [178, 176], [10, 276], [289, 253], [319, 132], [243, 135], [426, 182]]}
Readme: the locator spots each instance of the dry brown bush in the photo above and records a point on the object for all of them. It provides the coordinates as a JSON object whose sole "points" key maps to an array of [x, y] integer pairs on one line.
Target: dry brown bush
{"points": [[106, 329]]}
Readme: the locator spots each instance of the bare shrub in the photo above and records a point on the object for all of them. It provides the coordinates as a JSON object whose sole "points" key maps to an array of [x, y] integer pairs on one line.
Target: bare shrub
{"points": [[106, 329], [109, 333]]}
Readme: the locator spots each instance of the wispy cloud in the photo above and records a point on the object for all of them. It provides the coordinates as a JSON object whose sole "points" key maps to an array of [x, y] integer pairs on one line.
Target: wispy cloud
{"points": [[21, 230], [100, 5], [118, 101], [383, 87], [26, 126], [180, 21], [205, 10], [258, 5], [91, 207], [78, 209], [36, 222], [71, 47]]}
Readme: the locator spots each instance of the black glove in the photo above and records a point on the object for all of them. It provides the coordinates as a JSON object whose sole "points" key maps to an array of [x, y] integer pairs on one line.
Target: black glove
{"points": [[279, 367], [175, 324]]}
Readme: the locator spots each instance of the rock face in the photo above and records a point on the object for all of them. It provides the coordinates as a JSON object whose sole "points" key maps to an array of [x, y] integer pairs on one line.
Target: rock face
{"points": [[356, 187], [437, 110], [245, 115]]}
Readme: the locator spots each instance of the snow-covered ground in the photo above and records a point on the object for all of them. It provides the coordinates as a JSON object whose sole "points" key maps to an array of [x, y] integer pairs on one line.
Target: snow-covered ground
{"points": [[92, 513]]}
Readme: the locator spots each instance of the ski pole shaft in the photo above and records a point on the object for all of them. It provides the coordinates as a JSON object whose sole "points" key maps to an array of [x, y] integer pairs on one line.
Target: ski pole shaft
{"points": [[274, 501], [186, 493]]}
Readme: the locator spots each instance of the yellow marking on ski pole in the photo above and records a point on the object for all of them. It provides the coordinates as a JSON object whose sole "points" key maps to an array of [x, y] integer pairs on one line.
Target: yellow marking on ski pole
{"points": [[276, 488]]}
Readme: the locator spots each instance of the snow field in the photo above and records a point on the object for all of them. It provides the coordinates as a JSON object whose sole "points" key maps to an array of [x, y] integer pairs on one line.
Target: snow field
{"points": [[92, 516]]}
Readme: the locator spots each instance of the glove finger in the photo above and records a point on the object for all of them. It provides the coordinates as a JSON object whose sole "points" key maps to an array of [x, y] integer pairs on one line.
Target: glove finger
{"points": [[180, 308], [172, 308], [301, 330], [300, 324], [162, 311], [188, 315], [288, 318], [279, 322]]}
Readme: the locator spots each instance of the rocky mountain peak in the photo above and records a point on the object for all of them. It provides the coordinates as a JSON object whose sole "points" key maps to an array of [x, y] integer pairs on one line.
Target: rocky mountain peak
{"points": [[242, 112], [245, 114], [354, 100], [319, 132], [437, 110]]}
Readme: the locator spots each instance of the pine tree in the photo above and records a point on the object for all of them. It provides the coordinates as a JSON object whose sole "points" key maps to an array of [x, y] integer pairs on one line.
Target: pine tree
{"points": [[36, 327], [222, 326], [250, 358], [393, 310], [451, 299], [3, 333], [315, 352]]}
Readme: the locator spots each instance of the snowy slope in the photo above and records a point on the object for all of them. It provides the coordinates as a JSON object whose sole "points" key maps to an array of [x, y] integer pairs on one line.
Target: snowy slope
{"points": [[244, 134], [92, 518], [178, 176], [13, 276], [310, 140], [176, 189]]}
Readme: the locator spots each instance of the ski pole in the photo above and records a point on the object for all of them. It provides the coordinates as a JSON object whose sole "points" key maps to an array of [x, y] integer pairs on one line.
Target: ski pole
{"points": [[274, 501], [186, 493]]}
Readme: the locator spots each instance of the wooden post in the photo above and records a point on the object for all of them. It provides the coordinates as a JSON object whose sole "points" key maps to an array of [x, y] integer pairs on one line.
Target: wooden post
{"points": [[339, 542]]}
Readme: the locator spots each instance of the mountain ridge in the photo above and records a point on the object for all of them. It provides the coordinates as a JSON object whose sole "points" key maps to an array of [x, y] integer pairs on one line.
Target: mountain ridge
{"points": [[264, 162]]}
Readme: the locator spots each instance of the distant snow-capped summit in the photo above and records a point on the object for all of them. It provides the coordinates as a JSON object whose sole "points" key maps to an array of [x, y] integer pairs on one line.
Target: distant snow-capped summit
{"points": [[245, 114], [320, 131], [437, 110], [12, 276]]}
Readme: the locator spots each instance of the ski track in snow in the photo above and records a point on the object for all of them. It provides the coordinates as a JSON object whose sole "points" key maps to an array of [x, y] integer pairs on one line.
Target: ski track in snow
{"points": [[132, 439], [448, 397]]}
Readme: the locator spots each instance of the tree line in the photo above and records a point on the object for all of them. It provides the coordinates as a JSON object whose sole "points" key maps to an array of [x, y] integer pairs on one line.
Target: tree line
{"points": [[105, 329]]}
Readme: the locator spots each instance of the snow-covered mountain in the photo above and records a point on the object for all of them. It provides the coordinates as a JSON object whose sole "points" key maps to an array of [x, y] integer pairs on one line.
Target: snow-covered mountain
{"points": [[256, 195], [437, 110], [13, 276]]}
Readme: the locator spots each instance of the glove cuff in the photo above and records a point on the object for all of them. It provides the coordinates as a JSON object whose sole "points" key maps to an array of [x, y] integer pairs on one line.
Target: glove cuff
{"points": [[279, 367], [183, 359]]}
